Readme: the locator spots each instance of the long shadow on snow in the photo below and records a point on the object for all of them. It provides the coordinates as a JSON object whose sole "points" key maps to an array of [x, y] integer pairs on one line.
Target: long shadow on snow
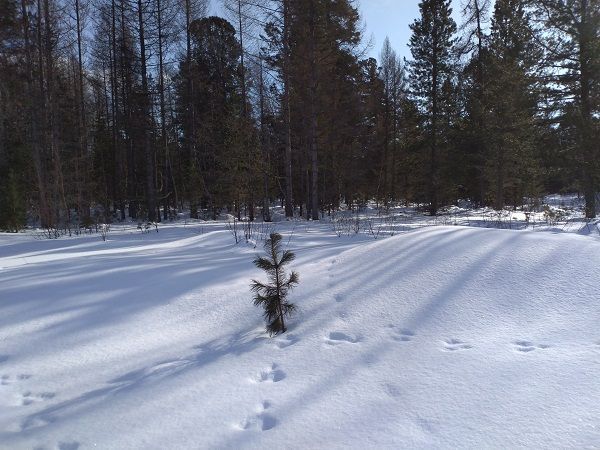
{"points": [[141, 283], [436, 300], [237, 345]]}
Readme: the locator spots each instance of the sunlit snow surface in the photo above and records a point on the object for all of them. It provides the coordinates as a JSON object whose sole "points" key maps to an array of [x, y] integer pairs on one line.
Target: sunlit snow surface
{"points": [[439, 336]]}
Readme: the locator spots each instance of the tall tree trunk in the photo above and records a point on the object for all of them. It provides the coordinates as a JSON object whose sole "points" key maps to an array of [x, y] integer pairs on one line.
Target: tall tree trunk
{"points": [[480, 97], [433, 162], [163, 125], [499, 197], [82, 205], [59, 199], [145, 120], [245, 121], [266, 211], [433, 169], [289, 201], [33, 126], [313, 124], [586, 128]]}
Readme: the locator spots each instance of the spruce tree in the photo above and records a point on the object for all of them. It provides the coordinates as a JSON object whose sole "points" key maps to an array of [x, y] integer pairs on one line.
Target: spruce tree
{"points": [[272, 296]]}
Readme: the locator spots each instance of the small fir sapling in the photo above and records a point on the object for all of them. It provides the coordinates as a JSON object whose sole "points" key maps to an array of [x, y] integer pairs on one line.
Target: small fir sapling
{"points": [[272, 296]]}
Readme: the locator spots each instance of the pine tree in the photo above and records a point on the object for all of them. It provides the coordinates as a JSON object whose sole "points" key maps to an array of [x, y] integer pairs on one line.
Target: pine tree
{"points": [[393, 78], [432, 64], [569, 31], [511, 105], [475, 18], [214, 130], [272, 296]]}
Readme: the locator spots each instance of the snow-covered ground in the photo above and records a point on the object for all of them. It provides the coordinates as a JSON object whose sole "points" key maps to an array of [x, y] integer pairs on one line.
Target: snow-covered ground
{"points": [[438, 337]]}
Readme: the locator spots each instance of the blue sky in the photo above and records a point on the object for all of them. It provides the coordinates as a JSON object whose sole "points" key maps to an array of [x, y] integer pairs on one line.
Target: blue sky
{"points": [[389, 18], [385, 18]]}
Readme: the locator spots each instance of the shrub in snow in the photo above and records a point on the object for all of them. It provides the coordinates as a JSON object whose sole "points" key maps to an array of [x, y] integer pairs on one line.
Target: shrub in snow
{"points": [[146, 227], [272, 296], [234, 229], [104, 229]]}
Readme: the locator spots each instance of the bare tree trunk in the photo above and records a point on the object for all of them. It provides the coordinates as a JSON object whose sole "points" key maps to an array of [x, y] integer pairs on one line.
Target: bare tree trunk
{"points": [[480, 119], [289, 201], [245, 121], [266, 211], [433, 169], [50, 122], [148, 153], [191, 114], [499, 200], [163, 125], [82, 206], [33, 131], [313, 125]]}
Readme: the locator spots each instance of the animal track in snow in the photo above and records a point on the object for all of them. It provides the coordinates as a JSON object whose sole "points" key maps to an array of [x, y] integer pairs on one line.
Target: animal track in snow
{"points": [[452, 345], [401, 334], [7, 379], [339, 298], [29, 397], [285, 341], [13, 395], [68, 445], [261, 421], [528, 346], [392, 390], [272, 375], [337, 337]]}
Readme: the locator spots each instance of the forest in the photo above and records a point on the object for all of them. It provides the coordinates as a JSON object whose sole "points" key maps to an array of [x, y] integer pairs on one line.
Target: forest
{"points": [[114, 110]]}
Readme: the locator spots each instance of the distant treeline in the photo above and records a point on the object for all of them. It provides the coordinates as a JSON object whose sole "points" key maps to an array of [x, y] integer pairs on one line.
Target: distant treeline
{"points": [[144, 108]]}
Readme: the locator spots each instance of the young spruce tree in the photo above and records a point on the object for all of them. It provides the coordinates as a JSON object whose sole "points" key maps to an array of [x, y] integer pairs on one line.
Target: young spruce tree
{"points": [[272, 296]]}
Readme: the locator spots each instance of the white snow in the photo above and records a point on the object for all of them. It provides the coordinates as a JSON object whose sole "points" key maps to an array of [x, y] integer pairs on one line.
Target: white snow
{"points": [[440, 337]]}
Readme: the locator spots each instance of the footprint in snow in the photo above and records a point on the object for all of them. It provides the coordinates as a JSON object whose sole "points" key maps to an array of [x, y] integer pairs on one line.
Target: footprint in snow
{"points": [[528, 346], [68, 445], [339, 298], [392, 390], [15, 396], [285, 341], [261, 421], [337, 337], [270, 375], [452, 345], [29, 397], [7, 379], [401, 334]]}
